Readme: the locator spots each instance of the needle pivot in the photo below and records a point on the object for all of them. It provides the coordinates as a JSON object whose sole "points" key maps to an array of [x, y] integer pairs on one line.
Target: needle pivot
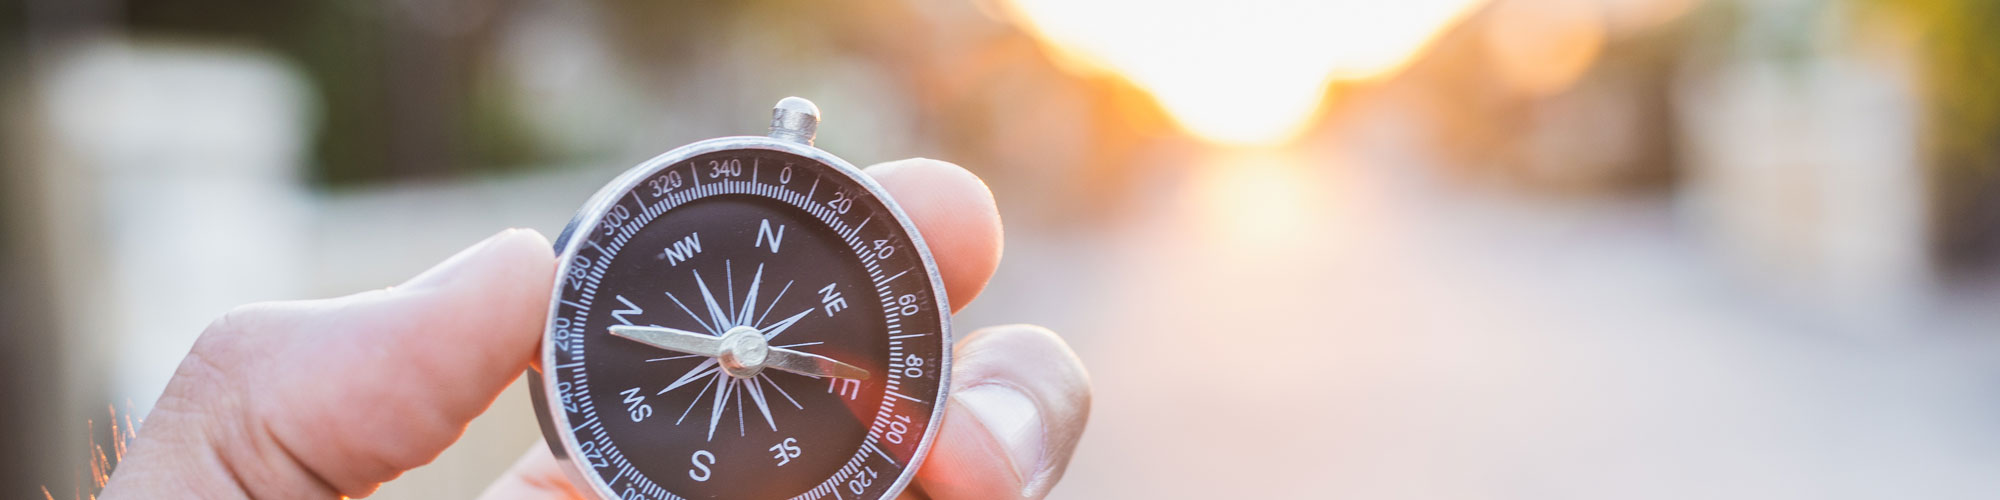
{"points": [[742, 351]]}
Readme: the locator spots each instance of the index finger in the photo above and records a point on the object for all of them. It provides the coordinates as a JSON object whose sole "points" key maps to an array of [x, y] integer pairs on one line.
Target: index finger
{"points": [[955, 213]]}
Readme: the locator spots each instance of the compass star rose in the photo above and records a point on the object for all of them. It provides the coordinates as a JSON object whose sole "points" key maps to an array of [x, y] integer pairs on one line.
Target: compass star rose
{"points": [[737, 348]]}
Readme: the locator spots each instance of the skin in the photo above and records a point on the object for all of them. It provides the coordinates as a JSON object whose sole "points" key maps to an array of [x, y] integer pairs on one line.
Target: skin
{"points": [[331, 398]]}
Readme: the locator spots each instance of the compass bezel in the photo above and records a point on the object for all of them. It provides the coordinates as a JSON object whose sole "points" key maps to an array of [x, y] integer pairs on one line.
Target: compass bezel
{"points": [[554, 420]]}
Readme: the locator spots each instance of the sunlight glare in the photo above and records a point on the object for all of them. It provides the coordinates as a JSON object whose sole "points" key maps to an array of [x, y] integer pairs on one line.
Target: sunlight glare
{"points": [[1542, 47], [1254, 203], [1243, 71]]}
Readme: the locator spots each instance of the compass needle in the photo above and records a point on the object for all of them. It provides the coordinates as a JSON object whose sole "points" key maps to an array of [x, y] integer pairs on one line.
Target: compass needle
{"points": [[681, 341], [804, 363], [618, 363]]}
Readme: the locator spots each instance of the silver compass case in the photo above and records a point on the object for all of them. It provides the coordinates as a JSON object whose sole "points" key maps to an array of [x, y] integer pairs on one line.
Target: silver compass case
{"points": [[794, 123]]}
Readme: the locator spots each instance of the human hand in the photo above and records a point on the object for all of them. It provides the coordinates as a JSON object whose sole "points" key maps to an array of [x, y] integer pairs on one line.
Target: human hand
{"points": [[330, 398]]}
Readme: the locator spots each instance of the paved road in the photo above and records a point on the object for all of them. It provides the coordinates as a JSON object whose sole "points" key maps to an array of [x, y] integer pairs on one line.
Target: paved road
{"points": [[1350, 328]]}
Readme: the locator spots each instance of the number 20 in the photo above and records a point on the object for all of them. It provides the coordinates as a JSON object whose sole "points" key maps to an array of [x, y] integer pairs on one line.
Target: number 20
{"points": [[840, 202]]}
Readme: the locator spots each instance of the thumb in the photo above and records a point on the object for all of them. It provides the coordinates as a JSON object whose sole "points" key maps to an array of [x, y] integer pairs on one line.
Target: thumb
{"points": [[333, 397], [1019, 402]]}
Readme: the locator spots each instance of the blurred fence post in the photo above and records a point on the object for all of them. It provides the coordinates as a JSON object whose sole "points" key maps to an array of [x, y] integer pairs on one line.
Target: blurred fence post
{"points": [[174, 183], [1805, 167]]}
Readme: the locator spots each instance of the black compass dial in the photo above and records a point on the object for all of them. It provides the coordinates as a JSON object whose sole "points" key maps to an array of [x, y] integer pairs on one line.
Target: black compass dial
{"points": [[743, 323]]}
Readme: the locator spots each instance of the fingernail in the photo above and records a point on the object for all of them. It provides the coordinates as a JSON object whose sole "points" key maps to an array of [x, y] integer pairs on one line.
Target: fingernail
{"points": [[448, 271], [1013, 420]]}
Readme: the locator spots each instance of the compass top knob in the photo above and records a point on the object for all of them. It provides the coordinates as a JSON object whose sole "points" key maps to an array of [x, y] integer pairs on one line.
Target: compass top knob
{"points": [[795, 119]]}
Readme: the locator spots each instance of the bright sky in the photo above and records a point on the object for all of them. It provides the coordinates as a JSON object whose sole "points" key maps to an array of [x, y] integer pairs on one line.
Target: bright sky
{"points": [[1239, 71]]}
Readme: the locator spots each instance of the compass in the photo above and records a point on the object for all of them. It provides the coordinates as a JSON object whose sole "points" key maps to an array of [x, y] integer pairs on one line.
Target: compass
{"points": [[743, 317]]}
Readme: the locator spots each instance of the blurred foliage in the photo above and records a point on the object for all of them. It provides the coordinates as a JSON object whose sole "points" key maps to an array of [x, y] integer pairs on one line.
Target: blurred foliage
{"points": [[1570, 140], [397, 98], [1954, 41], [1961, 72]]}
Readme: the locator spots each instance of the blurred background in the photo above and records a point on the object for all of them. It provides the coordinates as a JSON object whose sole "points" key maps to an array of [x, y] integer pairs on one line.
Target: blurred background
{"points": [[1515, 248]]}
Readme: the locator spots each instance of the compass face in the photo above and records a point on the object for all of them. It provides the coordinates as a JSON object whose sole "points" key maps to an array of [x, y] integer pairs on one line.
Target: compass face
{"points": [[743, 318]]}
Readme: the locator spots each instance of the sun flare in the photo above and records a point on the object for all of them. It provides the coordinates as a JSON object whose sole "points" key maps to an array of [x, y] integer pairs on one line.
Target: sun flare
{"points": [[1242, 71]]}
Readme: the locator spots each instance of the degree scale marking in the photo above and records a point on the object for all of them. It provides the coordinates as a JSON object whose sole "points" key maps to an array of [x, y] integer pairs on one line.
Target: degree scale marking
{"points": [[855, 245]]}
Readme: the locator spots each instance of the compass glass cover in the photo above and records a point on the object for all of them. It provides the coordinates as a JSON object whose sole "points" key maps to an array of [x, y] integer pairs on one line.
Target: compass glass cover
{"points": [[770, 240]]}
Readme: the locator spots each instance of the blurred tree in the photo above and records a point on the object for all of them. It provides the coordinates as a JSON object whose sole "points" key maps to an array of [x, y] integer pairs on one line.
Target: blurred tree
{"points": [[27, 353], [1599, 122], [1961, 72], [400, 86]]}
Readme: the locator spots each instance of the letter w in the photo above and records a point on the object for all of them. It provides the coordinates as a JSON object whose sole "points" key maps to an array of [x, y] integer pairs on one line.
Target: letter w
{"points": [[683, 249], [630, 309]]}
